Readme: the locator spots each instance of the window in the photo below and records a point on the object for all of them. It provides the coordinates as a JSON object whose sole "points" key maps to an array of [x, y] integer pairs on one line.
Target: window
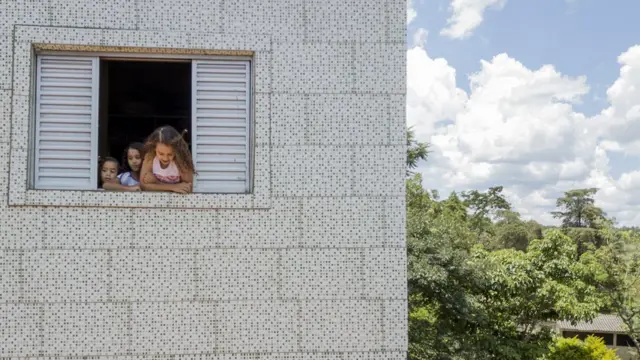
{"points": [[608, 338], [91, 106], [624, 340]]}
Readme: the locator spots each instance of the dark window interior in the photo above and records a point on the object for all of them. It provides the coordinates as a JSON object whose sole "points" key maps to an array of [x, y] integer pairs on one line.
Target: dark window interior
{"points": [[572, 334], [137, 97], [624, 340], [608, 338]]}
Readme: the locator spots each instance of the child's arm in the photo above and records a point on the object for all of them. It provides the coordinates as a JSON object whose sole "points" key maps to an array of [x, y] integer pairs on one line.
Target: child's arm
{"points": [[147, 185], [115, 186], [187, 178]]}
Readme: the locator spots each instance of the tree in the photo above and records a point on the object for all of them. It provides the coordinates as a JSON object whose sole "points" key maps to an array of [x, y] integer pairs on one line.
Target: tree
{"points": [[484, 205], [578, 210], [586, 238], [620, 278], [513, 233], [469, 303], [466, 302], [581, 219], [526, 290], [483, 208], [416, 152], [438, 245], [593, 348], [565, 290]]}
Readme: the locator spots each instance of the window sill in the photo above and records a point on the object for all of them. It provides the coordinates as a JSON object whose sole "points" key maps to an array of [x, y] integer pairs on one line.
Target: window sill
{"points": [[72, 198]]}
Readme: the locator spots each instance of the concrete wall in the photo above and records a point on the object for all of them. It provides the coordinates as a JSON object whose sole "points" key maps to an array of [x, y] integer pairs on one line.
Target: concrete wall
{"points": [[310, 266]]}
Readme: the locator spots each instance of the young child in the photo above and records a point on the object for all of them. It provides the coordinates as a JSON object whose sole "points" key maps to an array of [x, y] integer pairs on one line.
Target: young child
{"points": [[108, 172], [129, 180], [167, 164], [132, 160]]}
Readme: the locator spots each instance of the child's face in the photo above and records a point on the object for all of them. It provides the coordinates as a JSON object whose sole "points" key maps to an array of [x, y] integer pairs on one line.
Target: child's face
{"points": [[109, 171], [165, 154], [134, 159]]}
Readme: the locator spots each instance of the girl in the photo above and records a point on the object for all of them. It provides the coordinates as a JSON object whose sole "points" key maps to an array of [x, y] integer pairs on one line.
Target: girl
{"points": [[108, 172], [129, 180], [167, 164], [132, 160]]}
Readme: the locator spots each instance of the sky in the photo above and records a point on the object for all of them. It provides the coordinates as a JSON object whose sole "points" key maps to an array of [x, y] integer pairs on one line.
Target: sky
{"points": [[537, 96]]}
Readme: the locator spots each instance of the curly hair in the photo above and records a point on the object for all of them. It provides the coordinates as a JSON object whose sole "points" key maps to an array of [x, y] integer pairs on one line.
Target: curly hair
{"points": [[169, 136], [125, 155], [101, 162]]}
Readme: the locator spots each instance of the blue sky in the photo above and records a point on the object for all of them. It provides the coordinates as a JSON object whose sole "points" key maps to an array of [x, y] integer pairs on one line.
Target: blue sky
{"points": [[579, 38]]}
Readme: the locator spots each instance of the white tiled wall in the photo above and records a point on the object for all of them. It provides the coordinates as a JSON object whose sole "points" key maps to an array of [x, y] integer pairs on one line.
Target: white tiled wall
{"points": [[316, 272]]}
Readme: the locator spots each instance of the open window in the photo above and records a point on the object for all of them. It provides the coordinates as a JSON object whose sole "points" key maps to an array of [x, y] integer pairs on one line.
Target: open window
{"points": [[624, 340], [91, 106], [138, 96]]}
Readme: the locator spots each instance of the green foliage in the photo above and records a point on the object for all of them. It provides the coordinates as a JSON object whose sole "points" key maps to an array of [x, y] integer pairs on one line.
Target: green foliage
{"points": [[513, 233], [484, 284], [541, 285], [512, 236], [593, 348], [470, 303], [620, 278], [568, 291], [578, 210], [586, 238], [437, 272], [484, 205], [416, 151]]}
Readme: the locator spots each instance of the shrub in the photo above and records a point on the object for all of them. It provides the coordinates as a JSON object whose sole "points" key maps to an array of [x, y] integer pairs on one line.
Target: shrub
{"points": [[593, 348]]}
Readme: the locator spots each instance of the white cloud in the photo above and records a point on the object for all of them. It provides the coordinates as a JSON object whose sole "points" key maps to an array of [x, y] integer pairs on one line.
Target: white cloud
{"points": [[432, 95], [411, 12], [517, 127], [623, 114], [617, 124], [466, 16]]}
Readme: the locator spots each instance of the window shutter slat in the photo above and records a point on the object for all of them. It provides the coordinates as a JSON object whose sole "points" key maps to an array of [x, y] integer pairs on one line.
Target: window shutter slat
{"points": [[221, 125], [66, 123]]}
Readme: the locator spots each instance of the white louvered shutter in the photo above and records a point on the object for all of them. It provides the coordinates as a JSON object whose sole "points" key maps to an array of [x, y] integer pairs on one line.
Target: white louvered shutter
{"points": [[221, 126], [66, 123]]}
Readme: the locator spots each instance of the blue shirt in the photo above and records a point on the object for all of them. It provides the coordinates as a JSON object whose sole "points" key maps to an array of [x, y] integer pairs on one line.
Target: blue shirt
{"points": [[127, 180]]}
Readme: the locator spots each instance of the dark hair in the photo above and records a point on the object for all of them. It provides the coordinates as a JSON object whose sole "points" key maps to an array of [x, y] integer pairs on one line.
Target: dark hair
{"points": [[125, 158], [169, 136], [101, 162]]}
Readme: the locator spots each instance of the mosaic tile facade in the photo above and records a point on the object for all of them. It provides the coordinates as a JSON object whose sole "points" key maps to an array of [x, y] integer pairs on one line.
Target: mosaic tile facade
{"points": [[309, 266]]}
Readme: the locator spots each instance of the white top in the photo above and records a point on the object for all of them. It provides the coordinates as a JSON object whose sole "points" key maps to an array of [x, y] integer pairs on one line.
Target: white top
{"points": [[169, 175]]}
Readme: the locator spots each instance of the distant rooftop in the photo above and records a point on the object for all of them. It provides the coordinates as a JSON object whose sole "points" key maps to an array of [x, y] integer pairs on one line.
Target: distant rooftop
{"points": [[602, 323]]}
